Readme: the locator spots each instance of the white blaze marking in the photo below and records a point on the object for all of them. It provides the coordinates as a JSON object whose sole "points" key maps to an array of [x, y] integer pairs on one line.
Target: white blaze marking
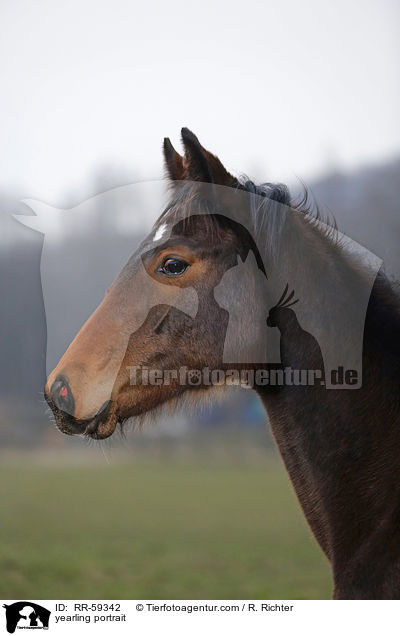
{"points": [[160, 232]]}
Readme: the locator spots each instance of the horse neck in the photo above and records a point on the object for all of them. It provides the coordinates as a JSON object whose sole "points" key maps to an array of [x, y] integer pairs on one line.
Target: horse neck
{"points": [[341, 449]]}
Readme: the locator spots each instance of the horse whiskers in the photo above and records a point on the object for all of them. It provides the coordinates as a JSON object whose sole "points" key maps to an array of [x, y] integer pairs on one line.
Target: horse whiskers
{"points": [[104, 452]]}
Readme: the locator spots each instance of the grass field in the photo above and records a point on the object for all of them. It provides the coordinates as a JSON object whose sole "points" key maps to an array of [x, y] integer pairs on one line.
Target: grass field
{"points": [[151, 530]]}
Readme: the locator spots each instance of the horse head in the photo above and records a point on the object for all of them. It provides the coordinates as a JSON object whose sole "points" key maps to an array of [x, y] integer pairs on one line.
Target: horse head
{"points": [[160, 314]]}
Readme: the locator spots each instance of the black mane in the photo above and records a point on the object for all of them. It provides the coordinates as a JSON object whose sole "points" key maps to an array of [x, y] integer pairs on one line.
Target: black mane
{"points": [[278, 192]]}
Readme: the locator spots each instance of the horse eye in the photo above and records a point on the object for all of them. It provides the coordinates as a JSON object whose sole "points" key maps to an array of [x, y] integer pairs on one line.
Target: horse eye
{"points": [[174, 266]]}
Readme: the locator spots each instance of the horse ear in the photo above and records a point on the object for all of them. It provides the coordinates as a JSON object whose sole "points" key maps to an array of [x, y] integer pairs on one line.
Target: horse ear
{"points": [[174, 163], [202, 165]]}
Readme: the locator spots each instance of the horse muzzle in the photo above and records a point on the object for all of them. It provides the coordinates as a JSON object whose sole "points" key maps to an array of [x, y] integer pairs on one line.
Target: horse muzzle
{"points": [[60, 399]]}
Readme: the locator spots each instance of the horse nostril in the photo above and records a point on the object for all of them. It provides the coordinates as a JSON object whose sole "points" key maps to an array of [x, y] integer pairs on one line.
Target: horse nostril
{"points": [[61, 395]]}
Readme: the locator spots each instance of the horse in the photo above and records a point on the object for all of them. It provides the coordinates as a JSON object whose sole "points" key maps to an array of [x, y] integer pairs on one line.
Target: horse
{"points": [[340, 447]]}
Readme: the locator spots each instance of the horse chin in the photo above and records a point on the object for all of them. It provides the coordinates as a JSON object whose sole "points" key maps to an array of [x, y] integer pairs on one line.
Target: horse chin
{"points": [[101, 429]]}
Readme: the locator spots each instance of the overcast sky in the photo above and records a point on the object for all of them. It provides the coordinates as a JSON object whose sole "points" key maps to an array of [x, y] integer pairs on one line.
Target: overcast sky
{"points": [[277, 89]]}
